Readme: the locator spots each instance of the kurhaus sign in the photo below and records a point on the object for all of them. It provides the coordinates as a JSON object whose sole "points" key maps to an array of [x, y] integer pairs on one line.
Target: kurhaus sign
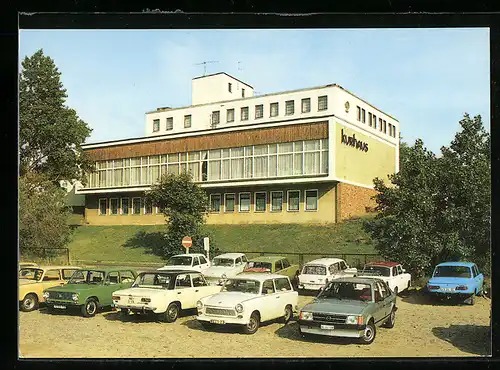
{"points": [[352, 141]]}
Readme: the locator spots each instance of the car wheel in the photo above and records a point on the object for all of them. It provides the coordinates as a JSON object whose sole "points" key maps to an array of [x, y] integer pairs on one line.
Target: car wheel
{"points": [[89, 309], [124, 313], [288, 314], [391, 320], [471, 300], [207, 325], [172, 312], [253, 324], [29, 303], [369, 333]]}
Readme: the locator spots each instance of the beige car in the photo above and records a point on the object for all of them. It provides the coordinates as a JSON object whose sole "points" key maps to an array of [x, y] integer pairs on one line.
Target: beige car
{"points": [[34, 280]]}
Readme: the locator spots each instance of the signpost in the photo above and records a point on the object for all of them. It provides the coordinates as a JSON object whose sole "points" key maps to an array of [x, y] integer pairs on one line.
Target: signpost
{"points": [[187, 242], [206, 246]]}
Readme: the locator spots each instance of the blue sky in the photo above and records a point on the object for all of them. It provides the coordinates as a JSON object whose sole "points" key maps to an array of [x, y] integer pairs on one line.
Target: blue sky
{"points": [[426, 78]]}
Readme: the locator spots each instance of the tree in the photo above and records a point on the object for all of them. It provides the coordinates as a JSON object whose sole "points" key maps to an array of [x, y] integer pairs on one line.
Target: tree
{"points": [[50, 133], [42, 215], [184, 205], [437, 209]]}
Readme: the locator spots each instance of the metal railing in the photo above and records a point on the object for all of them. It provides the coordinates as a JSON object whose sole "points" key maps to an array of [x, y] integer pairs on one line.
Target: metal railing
{"points": [[56, 256]]}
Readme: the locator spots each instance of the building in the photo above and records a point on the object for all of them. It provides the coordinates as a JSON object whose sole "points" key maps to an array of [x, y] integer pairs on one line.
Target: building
{"points": [[299, 156]]}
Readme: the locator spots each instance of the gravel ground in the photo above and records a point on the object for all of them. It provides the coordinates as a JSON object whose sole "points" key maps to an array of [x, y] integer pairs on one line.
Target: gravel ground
{"points": [[422, 329]]}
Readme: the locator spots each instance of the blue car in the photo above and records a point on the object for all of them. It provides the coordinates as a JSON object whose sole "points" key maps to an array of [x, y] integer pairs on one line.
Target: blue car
{"points": [[462, 280]]}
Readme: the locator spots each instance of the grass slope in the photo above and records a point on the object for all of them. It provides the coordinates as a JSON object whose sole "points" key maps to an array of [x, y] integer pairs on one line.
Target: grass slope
{"points": [[130, 243]]}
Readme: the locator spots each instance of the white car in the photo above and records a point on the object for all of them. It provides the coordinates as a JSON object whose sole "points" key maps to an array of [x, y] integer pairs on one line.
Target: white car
{"points": [[249, 299], [190, 261], [225, 266], [391, 272], [164, 293], [317, 273]]}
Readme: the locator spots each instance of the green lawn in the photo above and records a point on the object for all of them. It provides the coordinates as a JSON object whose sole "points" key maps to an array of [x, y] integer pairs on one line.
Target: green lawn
{"points": [[130, 243]]}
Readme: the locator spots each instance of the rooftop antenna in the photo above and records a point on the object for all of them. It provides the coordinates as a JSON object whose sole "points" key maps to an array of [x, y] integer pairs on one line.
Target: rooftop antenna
{"points": [[239, 69], [205, 65]]}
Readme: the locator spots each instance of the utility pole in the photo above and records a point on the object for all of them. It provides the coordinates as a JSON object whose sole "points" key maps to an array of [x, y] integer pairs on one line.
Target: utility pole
{"points": [[205, 65]]}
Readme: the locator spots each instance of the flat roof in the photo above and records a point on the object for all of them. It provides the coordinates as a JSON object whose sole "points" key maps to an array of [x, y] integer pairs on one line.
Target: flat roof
{"points": [[325, 260], [457, 263], [230, 255], [257, 276], [223, 73], [383, 263]]}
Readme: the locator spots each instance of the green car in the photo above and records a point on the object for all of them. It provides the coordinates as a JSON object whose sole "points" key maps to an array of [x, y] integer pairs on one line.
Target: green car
{"points": [[275, 265], [351, 307], [89, 290]]}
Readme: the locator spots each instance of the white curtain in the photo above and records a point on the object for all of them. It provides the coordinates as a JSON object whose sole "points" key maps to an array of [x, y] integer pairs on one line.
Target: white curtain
{"points": [[214, 168], [285, 164], [260, 166], [237, 167]]}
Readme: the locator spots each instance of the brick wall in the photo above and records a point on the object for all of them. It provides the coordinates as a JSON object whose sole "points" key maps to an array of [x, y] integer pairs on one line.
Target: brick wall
{"points": [[353, 201]]}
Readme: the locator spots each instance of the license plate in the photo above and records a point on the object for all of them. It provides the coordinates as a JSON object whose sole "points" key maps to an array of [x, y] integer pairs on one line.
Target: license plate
{"points": [[58, 306], [448, 289], [327, 327], [217, 322]]}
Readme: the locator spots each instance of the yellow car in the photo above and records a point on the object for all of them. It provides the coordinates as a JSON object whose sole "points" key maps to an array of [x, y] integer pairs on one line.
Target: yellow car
{"points": [[34, 280]]}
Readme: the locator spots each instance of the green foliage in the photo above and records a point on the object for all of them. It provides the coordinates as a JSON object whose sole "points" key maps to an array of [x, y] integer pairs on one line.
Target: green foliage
{"points": [[184, 205], [50, 133], [437, 209], [42, 216]]}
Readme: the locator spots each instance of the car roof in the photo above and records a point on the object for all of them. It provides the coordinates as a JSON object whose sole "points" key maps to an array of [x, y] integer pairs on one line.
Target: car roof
{"points": [[358, 280], [466, 264], [230, 255], [110, 269], [267, 258], [173, 272], [257, 276], [189, 255], [56, 267], [383, 264], [324, 261]]}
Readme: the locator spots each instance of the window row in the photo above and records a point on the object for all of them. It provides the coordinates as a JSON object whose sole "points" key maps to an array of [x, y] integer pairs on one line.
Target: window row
{"points": [[372, 122], [126, 206], [260, 161], [263, 201]]}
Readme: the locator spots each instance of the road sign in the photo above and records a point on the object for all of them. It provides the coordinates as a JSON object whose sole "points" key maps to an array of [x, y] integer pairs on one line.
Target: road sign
{"points": [[206, 243], [187, 242]]}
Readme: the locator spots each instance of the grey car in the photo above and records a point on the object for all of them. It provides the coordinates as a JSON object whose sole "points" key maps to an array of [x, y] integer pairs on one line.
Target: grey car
{"points": [[350, 307]]}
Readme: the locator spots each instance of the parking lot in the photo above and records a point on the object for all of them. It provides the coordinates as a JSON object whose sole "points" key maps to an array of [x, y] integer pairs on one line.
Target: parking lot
{"points": [[422, 329]]}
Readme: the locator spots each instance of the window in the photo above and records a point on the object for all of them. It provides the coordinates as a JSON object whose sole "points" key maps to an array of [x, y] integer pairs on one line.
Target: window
{"points": [[170, 123], [230, 87], [278, 266], [196, 261], [285, 263], [242, 93], [124, 206], [282, 284], [260, 201], [475, 270], [394, 131], [306, 105], [215, 203], [156, 125], [183, 281], [203, 261], [148, 207], [267, 287], [136, 206], [259, 111], [52, 275], [343, 266], [244, 113], [103, 206], [215, 117], [382, 288], [276, 201], [230, 115], [385, 126], [323, 102], [126, 277], [293, 200], [66, 273], [400, 269], [363, 115], [187, 121], [244, 202], [370, 120], [198, 280], [274, 109], [113, 205], [289, 107], [244, 259], [395, 271], [358, 110], [311, 200], [112, 278], [228, 202]]}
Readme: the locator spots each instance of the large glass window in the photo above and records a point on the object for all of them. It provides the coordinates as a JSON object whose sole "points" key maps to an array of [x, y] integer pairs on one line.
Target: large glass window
{"points": [[136, 206], [103, 206], [215, 203], [260, 201], [311, 200], [293, 200], [113, 205], [244, 202], [228, 202], [124, 206], [276, 201]]}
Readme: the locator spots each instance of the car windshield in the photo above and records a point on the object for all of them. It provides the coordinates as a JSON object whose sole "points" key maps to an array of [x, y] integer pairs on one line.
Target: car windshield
{"points": [[31, 274], [314, 270], [152, 280], [347, 290], [452, 271], [377, 271], [260, 265], [87, 277], [242, 285], [179, 261], [225, 262]]}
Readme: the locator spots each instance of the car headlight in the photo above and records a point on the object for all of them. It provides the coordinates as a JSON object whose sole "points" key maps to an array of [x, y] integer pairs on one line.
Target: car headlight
{"points": [[304, 315], [74, 297], [199, 305], [239, 308], [351, 320], [45, 295]]}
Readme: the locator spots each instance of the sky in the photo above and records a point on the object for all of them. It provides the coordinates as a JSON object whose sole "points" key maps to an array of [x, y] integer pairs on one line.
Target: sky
{"points": [[425, 78]]}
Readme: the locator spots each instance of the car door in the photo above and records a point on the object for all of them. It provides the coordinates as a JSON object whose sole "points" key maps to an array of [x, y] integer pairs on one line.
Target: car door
{"points": [[127, 278], [67, 273], [269, 301], [380, 310], [478, 278], [51, 278], [287, 268], [286, 294], [401, 278], [202, 288], [204, 263], [278, 267], [196, 263], [184, 291], [111, 284]]}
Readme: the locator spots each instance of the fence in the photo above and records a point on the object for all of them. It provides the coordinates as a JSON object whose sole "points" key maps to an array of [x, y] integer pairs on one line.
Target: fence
{"points": [[52, 256]]}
